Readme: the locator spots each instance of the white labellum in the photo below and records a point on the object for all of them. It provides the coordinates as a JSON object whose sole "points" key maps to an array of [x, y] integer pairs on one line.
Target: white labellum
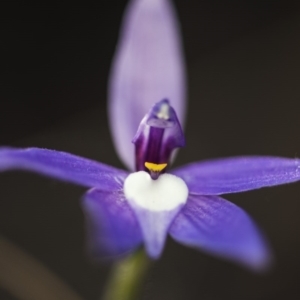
{"points": [[165, 193], [155, 203]]}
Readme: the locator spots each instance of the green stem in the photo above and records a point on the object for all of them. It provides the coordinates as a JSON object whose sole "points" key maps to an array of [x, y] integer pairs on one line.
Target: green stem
{"points": [[127, 277]]}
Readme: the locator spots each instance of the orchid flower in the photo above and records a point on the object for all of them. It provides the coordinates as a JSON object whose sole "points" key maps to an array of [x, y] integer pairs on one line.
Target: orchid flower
{"points": [[127, 209]]}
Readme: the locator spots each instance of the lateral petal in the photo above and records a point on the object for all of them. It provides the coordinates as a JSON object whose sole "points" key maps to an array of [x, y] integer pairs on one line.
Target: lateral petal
{"points": [[112, 228], [238, 174], [221, 228], [63, 166]]}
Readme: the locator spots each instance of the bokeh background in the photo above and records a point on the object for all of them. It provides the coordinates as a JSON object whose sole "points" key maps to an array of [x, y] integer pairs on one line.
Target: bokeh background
{"points": [[243, 61]]}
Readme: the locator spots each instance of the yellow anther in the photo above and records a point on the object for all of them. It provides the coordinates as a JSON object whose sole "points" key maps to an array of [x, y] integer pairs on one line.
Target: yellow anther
{"points": [[155, 167]]}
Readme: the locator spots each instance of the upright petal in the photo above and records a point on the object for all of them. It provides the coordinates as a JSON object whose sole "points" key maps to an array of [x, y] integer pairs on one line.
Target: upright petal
{"points": [[112, 229], [221, 228], [238, 174], [148, 67], [63, 166]]}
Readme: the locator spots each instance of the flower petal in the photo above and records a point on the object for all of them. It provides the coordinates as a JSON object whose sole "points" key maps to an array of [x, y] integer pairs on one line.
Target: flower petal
{"points": [[155, 203], [238, 174], [148, 67], [112, 228], [62, 166], [221, 228], [154, 226]]}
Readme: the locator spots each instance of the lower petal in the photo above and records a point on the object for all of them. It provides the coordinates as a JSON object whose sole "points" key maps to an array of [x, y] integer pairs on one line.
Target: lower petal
{"points": [[219, 227], [112, 229], [155, 203], [154, 226]]}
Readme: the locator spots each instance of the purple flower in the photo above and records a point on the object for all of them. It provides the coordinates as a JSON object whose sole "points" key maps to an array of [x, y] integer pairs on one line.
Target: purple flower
{"points": [[127, 209]]}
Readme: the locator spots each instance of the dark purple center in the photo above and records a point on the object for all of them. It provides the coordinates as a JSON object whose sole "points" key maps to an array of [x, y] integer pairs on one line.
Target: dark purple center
{"points": [[158, 135]]}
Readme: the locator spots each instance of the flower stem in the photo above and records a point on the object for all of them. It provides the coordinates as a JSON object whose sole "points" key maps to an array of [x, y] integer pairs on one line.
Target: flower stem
{"points": [[127, 277]]}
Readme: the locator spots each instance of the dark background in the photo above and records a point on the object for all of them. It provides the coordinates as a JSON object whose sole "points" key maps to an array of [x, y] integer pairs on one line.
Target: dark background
{"points": [[243, 60]]}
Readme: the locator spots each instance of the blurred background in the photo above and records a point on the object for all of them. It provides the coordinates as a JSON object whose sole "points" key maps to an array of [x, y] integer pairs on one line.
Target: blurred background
{"points": [[243, 61]]}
